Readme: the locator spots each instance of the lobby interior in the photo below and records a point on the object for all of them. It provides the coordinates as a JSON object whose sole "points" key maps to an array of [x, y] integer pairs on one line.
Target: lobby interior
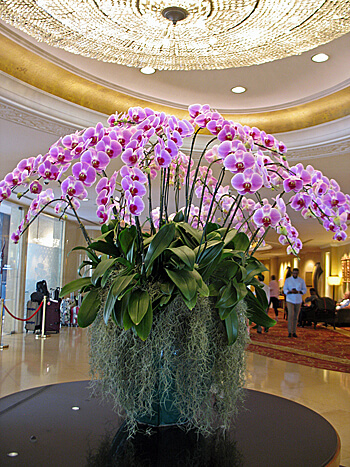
{"points": [[46, 92]]}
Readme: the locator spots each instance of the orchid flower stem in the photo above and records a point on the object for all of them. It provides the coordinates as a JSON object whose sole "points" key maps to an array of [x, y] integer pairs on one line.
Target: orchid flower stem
{"points": [[238, 203], [221, 176], [82, 228], [41, 210], [189, 171], [153, 230], [260, 241], [141, 246], [162, 176], [190, 197], [204, 187]]}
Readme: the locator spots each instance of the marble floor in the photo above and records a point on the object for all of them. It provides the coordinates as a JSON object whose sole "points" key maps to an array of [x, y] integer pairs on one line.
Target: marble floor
{"points": [[30, 362]]}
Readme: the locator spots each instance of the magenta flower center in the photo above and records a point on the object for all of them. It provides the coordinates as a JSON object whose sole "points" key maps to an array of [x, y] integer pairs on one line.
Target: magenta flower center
{"points": [[94, 140], [133, 159], [82, 177], [135, 177], [292, 184], [240, 165], [34, 189], [95, 163], [47, 173], [266, 221], [71, 191], [161, 160], [133, 208], [134, 191], [247, 186], [335, 202], [301, 202], [60, 158], [110, 152]]}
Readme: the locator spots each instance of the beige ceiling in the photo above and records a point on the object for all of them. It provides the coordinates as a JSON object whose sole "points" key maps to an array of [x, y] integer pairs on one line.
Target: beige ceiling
{"points": [[293, 93]]}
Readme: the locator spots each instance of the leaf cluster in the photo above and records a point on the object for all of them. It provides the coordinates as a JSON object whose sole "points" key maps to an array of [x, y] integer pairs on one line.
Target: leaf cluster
{"points": [[184, 262]]}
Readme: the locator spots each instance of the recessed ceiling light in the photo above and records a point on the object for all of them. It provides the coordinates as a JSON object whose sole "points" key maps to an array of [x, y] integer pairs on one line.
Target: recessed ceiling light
{"points": [[12, 454], [75, 408], [319, 58], [147, 70], [238, 89]]}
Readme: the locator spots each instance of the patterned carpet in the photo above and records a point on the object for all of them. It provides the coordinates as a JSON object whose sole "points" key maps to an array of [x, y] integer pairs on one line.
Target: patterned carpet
{"points": [[322, 347]]}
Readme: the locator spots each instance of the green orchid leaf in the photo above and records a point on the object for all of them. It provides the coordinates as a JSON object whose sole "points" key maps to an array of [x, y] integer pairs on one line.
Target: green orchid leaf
{"points": [[231, 324], [160, 242], [83, 265], [164, 300], [75, 285], [241, 241], [224, 312], [127, 322], [101, 269], [254, 303], [144, 328], [91, 255], [104, 247], [167, 288], [261, 296], [212, 227], [138, 305], [230, 235], [176, 263], [190, 236], [119, 309], [109, 305], [185, 281], [261, 318], [227, 297], [179, 217], [126, 238], [253, 268], [190, 303], [185, 254], [210, 253], [241, 289], [203, 289], [119, 285], [89, 308], [213, 290]]}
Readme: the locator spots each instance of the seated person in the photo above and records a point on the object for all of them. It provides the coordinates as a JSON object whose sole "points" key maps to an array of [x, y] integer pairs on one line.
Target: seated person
{"points": [[345, 303], [309, 301]]}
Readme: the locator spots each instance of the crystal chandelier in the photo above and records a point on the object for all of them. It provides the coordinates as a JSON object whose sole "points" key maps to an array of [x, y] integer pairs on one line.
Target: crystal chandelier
{"points": [[181, 34]]}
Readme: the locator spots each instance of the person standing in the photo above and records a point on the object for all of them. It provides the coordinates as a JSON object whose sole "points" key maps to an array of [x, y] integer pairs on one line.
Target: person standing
{"points": [[294, 288], [274, 294], [266, 289]]}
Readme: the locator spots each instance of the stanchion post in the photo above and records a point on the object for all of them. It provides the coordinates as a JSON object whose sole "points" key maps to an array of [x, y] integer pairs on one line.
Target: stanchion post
{"points": [[42, 335], [2, 346]]}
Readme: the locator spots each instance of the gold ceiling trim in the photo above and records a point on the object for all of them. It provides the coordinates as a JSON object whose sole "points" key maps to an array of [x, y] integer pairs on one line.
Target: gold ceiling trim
{"points": [[35, 70]]}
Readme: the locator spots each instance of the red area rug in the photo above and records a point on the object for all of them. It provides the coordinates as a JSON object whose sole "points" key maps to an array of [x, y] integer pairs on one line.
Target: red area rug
{"points": [[322, 347]]}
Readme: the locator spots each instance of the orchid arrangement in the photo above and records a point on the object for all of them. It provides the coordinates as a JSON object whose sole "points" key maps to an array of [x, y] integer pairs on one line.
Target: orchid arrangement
{"points": [[204, 247]]}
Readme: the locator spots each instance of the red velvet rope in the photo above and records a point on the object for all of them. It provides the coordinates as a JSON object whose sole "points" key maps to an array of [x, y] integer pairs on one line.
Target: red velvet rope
{"points": [[23, 319]]}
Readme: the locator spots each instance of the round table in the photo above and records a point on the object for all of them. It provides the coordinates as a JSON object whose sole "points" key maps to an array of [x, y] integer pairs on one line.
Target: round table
{"points": [[61, 425]]}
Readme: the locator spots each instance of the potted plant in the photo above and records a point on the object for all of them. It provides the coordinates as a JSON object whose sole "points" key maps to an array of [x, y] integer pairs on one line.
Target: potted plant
{"points": [[171, 286]]}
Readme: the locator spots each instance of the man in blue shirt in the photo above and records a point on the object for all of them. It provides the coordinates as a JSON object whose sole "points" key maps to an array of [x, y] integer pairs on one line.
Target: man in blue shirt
{"points": [[294, 288]]}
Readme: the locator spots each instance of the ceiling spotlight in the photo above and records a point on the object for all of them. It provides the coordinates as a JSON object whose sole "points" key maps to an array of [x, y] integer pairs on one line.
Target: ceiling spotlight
{"points": [[238, 89], [147, 70], [75, 407], [319, 58]]}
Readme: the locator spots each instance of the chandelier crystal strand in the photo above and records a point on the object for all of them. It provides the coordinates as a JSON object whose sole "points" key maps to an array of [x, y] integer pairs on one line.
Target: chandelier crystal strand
{"points": [[213, 34]]}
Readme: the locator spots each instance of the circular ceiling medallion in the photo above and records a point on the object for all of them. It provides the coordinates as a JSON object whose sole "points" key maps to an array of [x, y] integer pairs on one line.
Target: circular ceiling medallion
{"points": [[181, 35]]}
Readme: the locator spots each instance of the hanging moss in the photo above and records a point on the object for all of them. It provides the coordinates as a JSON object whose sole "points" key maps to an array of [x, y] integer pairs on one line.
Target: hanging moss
{"points": [[186, 350]]}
